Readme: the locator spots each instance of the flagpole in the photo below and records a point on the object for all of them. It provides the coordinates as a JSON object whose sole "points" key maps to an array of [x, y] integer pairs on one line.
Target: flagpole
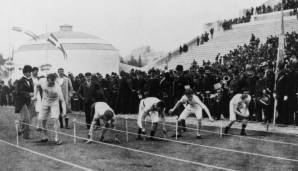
{"points": [[46, 52], [279, 59]]}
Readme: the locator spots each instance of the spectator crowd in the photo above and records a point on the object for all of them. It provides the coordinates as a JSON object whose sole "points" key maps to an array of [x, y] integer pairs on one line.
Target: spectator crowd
{"points": [[263, 9], [250, 67]]}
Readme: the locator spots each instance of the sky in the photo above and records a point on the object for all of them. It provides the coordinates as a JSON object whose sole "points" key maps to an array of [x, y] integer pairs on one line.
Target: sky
{"points": [[127, 24]]}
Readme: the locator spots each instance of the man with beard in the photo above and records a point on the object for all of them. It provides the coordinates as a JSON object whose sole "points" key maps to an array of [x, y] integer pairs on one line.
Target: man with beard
{"points": [[291, 91], [123, 92], [88, 93], [281, 94], [166, 88], [178, 90], [67, 91]]}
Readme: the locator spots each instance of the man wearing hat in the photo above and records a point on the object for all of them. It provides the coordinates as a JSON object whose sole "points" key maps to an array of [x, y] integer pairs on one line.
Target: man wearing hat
{"points": [[193, 105], [88, 92], [4, 94], [239, 106], [178, 90], [23, 103]]}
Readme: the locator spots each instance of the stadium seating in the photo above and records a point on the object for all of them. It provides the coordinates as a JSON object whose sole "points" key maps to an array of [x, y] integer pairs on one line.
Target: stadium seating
{"points": [[225, 41]]}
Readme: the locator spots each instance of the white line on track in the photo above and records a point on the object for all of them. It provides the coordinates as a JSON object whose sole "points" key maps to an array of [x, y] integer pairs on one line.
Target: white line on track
{"points": [[47, 156], [144, 152], [238, 136], [212, 147]]}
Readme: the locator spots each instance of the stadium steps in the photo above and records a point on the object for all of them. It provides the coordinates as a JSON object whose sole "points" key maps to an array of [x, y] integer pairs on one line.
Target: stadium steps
{"points": [[225, 41]]}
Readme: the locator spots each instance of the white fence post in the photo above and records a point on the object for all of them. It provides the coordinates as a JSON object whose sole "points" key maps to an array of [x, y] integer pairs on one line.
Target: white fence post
{"points": [[74, 131], [17, 130], [126, 129]]}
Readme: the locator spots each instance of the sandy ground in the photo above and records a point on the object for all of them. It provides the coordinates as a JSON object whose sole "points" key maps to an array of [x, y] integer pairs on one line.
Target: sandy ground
{"points": [[104, 157]]}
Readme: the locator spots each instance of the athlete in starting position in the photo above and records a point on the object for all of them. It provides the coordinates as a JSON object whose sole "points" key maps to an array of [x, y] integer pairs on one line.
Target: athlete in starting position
{"points": [[153, 107], [193, 105], [239, 106], [102, 111]]}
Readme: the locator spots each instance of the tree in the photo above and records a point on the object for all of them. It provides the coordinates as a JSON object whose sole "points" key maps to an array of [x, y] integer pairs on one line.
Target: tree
{"points": [[122, 60], [2, 60], [132, 61], [140, 61]]}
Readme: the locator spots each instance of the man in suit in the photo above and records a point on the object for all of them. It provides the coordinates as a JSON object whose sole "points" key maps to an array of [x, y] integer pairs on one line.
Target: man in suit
{"points": [[88, 91], [178, 91], [67, 91], [281, 94], [4, 94], [23, 103]]}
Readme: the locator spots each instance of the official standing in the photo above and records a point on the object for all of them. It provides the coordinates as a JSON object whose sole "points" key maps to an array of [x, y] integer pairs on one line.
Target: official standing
{"points": [[88, 92], [67, 91], [23, 103], [281, 95], [178, 91]]}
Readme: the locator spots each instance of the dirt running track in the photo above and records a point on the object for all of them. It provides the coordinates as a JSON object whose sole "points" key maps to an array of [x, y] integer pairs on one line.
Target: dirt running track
{"points": [[104, 157]]}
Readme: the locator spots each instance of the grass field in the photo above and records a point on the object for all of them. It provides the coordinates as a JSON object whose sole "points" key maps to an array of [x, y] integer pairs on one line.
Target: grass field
{"points": [[104, 157]]}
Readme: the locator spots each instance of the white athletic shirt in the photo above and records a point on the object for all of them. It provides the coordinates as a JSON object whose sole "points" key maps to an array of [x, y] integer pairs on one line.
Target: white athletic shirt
{"points": [[146, 108], [101, 108], [148, 103], [195, 102], [50, 95], [239, 104]]}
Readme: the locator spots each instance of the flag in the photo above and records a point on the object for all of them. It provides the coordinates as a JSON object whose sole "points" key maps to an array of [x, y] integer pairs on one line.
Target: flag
{"points": [[55, 42], [280, 57], [281, 49], [281, 43], [27, 32]]}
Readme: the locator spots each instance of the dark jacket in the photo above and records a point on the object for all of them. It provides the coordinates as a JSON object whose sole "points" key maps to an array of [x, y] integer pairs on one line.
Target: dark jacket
{"points": [[23, 90], [91, 94], [281, 84]]}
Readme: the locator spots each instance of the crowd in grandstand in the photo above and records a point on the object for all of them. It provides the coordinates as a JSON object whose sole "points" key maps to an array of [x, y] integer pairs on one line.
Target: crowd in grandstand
{"points": [[263, 9], [248, 67]]}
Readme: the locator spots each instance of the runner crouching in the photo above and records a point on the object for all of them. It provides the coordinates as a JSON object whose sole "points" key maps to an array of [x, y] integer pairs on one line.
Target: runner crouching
{"points": [[102, 111], [153, 107], [239, 106], [193, 105]]}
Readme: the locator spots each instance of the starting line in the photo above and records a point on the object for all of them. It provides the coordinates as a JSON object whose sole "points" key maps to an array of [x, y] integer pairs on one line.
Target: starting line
{"points": [[232, 135], [47, 156], [210, 147], [140, 151]]}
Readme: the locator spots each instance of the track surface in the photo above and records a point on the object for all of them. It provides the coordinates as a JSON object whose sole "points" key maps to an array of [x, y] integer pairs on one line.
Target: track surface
{"points": [[103, 157]]}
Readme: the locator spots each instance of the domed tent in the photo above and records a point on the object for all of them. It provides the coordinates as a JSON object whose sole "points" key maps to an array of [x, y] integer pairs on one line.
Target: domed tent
{"points": [[85, 53]]}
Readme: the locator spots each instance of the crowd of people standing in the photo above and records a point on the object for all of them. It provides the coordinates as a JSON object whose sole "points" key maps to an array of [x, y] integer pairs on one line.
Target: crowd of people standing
{"points": [[250, 67], [263, 9]]}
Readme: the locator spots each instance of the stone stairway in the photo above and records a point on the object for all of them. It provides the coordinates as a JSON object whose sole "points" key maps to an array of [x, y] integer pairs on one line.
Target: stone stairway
{"points": [[225, 41]]}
